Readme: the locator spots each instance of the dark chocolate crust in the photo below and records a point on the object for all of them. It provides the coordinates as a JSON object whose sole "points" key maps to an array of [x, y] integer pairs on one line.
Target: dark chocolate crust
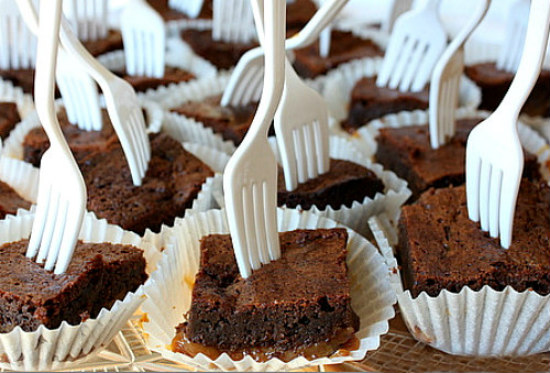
{"points": [[9, 117], [494, 84], [441, 248], [98, 275], [300, 299], [368, 102], [344, 183]]}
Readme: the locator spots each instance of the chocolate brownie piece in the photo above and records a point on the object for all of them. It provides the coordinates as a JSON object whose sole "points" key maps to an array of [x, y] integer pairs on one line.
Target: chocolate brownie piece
{"points": [[82, 143], [298, 13], [494, 84], [441, 248], [344, 47], [230, 122], [9, 117], [98, 275], [112, 42], [11, 201], [219, 53], [344, 183], [368, 102], [23, 78], [172, 75], [300, 300], [407, 152], [172, 182], [169, 14]]}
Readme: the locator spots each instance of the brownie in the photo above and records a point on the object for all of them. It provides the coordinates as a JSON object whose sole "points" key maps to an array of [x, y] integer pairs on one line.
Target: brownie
{"points": [[441, 248], [298, 14], [230, 122], [172, 182], [98, 275], [298, 301], [9, 117], [169, 14], [494, 84], [407, 152], [344, 47], [172, 75], [112, 42], [344, 183], [368, 102], [82, 143], [23, 78], [11, 201]]}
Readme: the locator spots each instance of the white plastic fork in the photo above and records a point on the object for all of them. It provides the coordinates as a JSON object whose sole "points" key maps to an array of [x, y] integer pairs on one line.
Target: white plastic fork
{"points": [[88, 18], [144, 36], [120, 98], [62, 193], [190, 7], [17, 43], [514, 39], [445, 82], [250, 178], [245, 84], [396, 8], [417, 41], [232, 21], [494, 157]]}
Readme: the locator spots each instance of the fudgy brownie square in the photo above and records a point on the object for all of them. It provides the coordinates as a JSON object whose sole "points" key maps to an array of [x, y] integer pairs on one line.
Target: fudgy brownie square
{"points": [[441, 248], [407, 152], [368, 102], [344, 47], [344, 183], [169, 14], [98, 275], [172, 75], [11, 201], [494, 84], [9, 117], [299, 301]]}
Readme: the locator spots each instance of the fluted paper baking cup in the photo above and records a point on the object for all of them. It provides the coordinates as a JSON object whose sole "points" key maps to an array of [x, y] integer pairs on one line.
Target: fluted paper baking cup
{"points": [[13, 146], [473, 323], [340, 83], [371, 291], [61, 348], [11, 93], [175, 27]]}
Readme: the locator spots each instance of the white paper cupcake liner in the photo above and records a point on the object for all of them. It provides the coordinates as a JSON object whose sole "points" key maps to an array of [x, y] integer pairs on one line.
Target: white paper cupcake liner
{"points": [[11, 93], [340, 83], [472, 323], [371, 291], [61, 348], [175, 27]]}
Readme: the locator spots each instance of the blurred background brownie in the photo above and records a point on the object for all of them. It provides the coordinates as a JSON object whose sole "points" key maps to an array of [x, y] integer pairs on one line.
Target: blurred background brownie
{"points": [[170, 14], [98, 275], [344, 47], [172, 75], [81, 142], [172, 182], [441, 248], [11, 201], [344, 183], [494, 84], [9, 117], [407, 152], [368, 102], [297, 305]]}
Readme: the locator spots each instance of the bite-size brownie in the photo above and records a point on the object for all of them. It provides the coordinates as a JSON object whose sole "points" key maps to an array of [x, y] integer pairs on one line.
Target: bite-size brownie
{"points": [[23, 78], [230, 122], [170, 14], [407, 152], [441, 248], [173, 180], [9, 117], [82, 143], [11, 201], [110, 43], [298, 13], [494, 84], [368, 102], [98, 275], [344, 47], [299, 304], [344, 183], [172, 75]]}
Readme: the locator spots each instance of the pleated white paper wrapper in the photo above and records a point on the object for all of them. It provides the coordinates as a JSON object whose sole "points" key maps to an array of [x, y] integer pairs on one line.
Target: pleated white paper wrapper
{"points": [[61, 348], [174, 27], [169, 296], [340, 83], [13, 146], [356, 216], [473, 323], [11, 93]]}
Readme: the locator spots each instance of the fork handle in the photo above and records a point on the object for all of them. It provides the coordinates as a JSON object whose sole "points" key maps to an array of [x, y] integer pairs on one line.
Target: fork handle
{"points": [[531, 61]]}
